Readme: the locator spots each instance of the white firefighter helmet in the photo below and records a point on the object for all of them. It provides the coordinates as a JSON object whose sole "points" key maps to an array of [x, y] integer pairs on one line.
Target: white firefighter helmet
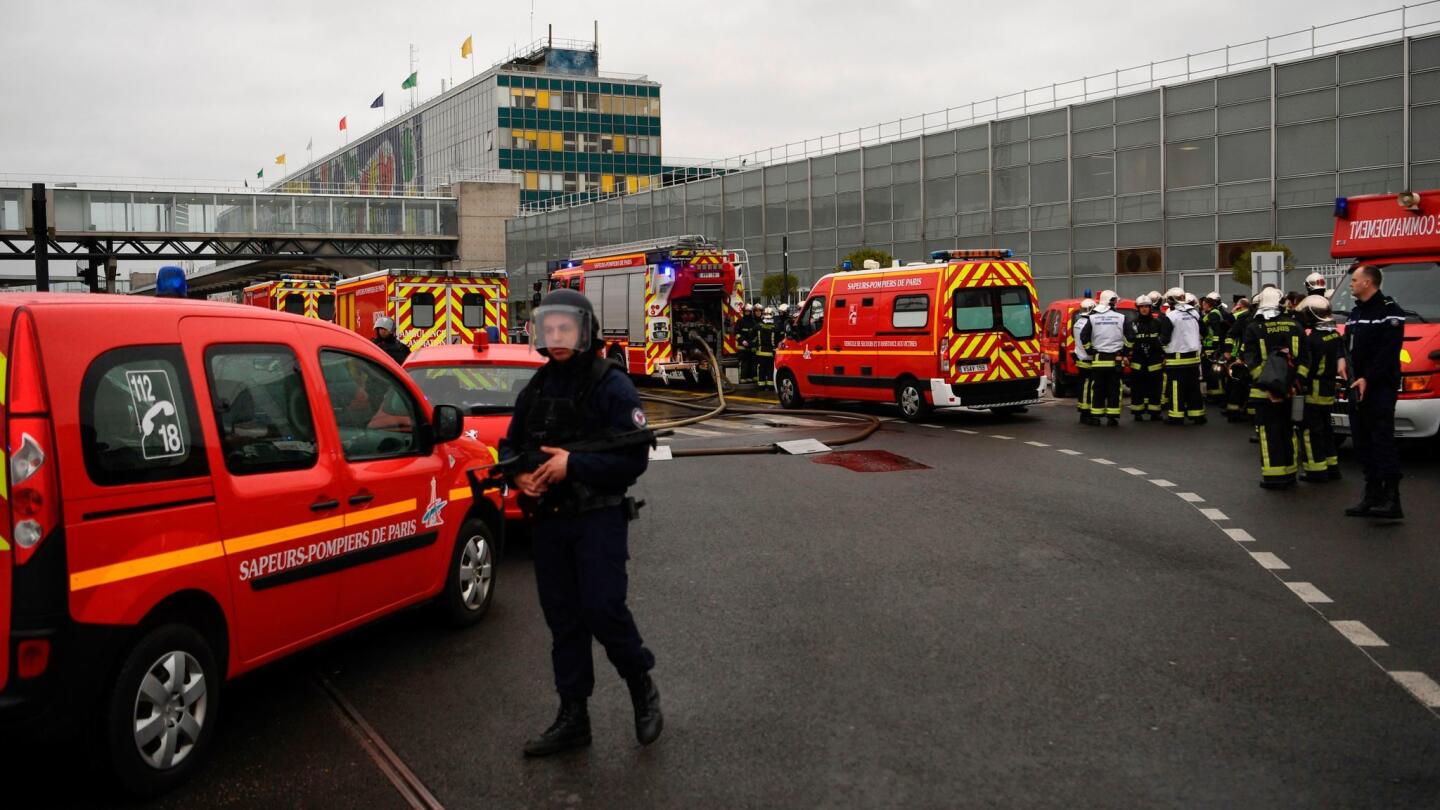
{"points": [[1174, 295], [385, 322], [1315, 281], [784, 308], [769, 312], [1087, 305], [1213, 296], [1108, 299], [1143, 301], [1155, 297], [1269, 298], [1314, 308], [1191, 299]]}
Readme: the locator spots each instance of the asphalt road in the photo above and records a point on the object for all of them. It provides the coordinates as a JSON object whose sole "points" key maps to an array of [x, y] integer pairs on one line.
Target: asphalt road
{"points": [[1010, 625]]}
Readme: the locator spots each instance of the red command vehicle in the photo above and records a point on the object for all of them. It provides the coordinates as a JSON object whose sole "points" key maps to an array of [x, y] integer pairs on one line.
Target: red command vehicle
{"points": [[1400, 234], [309, 296], [197, 489], [429, 307], [1057, 341], [658, 300], [482, 380], [960, 332]]}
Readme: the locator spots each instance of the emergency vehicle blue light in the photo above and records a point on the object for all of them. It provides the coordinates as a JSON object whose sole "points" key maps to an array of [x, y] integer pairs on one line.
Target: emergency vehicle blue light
{"points": [[847, 265], [667, 269], [170, 282], [1342, 208], [1088, 293]]}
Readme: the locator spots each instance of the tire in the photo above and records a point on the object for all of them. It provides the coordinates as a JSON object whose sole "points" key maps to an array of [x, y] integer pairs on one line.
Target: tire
{"points": [[787, 390], [470, 577], [618, 356], [1059, 385], [911, 399], [161, 713]]}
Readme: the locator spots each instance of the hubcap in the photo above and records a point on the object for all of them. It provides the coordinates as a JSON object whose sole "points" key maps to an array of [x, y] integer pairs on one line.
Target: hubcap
{"points": [[170, 710], [909, 400], [787, 389], [476, 572]]}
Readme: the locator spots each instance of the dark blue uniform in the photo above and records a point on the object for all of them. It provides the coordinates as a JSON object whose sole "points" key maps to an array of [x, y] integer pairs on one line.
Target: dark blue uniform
{"points": [[581, 525], [1374, 335]]}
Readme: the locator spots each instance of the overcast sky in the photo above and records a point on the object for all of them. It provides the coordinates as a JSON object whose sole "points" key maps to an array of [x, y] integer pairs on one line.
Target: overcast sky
{"points": [[162, 88]]}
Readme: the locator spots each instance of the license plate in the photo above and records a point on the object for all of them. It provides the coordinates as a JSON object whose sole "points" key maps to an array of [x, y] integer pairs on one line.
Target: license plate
{"points": [[973, 368]]}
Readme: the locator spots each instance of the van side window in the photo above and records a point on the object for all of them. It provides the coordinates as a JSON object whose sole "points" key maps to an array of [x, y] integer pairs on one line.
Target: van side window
{"points": [[137, 418], [422, 310], [376, 415], [813, 317], [325, 307], [1015, 313], [261, 407], [911, 311], [472, 310], [294, 304]]}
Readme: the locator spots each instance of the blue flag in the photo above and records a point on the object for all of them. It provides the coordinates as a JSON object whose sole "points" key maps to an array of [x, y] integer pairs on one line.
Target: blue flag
{"points": [[378, 102]]}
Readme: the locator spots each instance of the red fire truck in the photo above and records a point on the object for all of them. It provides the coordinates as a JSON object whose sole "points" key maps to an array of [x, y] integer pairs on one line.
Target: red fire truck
{"points": [[1400, 234], [430, 308], [961, 331], [308, 295], [657, 300]]}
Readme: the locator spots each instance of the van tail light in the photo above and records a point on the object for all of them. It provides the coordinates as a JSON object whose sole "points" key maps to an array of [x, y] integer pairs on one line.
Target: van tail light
{"points": [[1415, 383], [945, 355], [34, 487]]}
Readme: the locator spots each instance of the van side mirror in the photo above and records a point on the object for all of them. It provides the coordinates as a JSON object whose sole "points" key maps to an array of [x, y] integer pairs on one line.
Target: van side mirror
{"points": [[448, 423]]}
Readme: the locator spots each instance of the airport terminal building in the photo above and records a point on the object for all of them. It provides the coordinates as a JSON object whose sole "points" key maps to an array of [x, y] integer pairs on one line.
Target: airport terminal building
{"points": [[1137, 191]]}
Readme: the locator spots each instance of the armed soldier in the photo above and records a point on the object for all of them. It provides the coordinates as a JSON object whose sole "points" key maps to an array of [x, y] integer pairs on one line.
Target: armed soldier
{"points": [[576, 500]]}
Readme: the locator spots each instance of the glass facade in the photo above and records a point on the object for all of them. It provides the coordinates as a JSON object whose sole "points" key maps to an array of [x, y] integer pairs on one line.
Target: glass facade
{"points": [[1134, 193]]}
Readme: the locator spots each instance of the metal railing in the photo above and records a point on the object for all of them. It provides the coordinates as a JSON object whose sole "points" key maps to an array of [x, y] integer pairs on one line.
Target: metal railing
{"points": [[172, 185], [1404, 21]]}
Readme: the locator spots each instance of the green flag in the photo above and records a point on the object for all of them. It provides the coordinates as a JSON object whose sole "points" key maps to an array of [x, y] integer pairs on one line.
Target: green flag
{"points": [[410, 81], [260, 173]]}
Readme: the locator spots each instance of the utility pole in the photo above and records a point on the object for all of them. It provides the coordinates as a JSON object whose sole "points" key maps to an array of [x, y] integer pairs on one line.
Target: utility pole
{"points": [[785, 269], [40, 227]]}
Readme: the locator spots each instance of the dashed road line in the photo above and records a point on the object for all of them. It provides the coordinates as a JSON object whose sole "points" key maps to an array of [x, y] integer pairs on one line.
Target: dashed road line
{"points": [[1133, 471], [1103, 461], [1240, 535], [928, 425], [697, 432], [1214, 514], [1037, 444], [1069, 452], [1161, 482], [1359, 634], [1421, 686], [969, 432], [1309, 594], [1269, 561], [1190, 497], [998, 436]]}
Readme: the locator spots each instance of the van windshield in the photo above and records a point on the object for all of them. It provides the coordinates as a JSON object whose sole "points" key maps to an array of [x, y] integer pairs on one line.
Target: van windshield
{"points": [[474, 389], [983, 309], [1415, 286]]}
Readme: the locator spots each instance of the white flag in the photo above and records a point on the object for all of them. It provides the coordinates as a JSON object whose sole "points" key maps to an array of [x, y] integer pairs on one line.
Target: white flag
{"points": [[310, 145]]}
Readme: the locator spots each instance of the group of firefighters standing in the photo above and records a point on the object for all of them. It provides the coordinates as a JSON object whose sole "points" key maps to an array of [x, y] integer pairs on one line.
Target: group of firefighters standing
{"points": [[1277, 360], [758, 331]]}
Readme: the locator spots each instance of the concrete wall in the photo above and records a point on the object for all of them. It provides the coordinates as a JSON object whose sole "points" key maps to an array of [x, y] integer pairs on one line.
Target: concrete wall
{"points": [[484, 209]]}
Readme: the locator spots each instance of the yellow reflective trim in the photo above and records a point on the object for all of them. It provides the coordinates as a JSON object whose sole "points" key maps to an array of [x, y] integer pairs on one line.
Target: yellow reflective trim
{"points": [[4, 546], [129, 569], [378, 512], [4, 471], [460, 494], [4, 378], [250, 542]]}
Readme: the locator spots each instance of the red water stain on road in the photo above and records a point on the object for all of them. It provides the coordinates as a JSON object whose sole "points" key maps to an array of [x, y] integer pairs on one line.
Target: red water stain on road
{"points": [[867, 461]]}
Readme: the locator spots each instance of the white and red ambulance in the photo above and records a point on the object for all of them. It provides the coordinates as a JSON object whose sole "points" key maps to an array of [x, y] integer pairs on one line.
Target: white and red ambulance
{"points": [[959, 332]]}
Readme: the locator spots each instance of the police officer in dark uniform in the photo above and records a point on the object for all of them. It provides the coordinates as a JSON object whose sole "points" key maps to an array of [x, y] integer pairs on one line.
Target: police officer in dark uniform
{"points": [[576, 501], [388, 343], [1374, 336], [1275, 351]]}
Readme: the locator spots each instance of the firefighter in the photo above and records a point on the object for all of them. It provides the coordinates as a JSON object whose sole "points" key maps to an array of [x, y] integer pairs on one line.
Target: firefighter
{"points": [[746, 330], [1082, 362], [1315, 284], [576, 501], [782, 322], [1325, 347], [766, 339], [1107, 338], [1180, 334], [1146, 362], [1374, 336], [1275, 352], [388, 343], [1212, 319], [1237, 382]]}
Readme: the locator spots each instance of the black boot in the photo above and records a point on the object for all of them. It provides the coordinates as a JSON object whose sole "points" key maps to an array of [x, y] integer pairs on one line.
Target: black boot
{"points": [[1388, 506], [1367, 501], [571, 729], [646, 699]]}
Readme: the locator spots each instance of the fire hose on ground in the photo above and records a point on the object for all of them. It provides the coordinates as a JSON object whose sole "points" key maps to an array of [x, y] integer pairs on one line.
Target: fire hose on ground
{"points": [[871, 423]]}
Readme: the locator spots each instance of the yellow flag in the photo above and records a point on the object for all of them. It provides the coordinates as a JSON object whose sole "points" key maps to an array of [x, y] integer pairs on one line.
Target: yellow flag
{"points": [[465, 49], [280, 160]]}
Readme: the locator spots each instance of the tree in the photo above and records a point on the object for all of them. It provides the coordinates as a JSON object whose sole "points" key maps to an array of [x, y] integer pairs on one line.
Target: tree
{"points": [[1240, 270], [857, 259], [772, 287]]}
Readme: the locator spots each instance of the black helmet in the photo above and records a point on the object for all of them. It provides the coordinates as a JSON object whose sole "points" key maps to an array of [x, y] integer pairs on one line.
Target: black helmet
{"points": [[568, 303]]}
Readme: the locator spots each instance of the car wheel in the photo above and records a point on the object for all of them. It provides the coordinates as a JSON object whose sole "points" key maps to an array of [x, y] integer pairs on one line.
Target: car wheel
{"points": [[1059, 386], [470, 579], [161, 712], [912, 401], [618, 356], [787, 389]]}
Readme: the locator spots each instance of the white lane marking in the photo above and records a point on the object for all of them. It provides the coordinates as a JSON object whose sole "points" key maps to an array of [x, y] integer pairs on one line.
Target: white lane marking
{"points": [[1070, 452], [1269, 561], [1133, 471], [998, 436], [1190, 497], [1359, 634], [661, 453], [1037, 444], [1240, 535], [1161, 482], [936, 427], [776, 420], [963, 430], [700, 432], [888, 418], [1421, 686], [727, 424], [1214, 514], [1107, 462], [1309, 593]]}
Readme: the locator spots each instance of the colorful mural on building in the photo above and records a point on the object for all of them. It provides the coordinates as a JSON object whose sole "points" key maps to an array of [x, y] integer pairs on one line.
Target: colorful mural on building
{"points": [[385, 164]]}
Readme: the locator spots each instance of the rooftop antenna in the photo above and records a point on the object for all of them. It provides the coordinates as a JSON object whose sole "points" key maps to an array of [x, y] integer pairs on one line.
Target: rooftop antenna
{"points": [[532, 20], [413, 50]]}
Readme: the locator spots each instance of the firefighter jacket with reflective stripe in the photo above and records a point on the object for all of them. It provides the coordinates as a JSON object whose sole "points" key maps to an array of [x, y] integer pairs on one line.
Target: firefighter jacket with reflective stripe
{"points": [[1148, 352], [1326, 347], [746, 330], [766, 340], [1236, 335], [1215, 329], [1077, 330], [1180, 330], [1106, 332], [1374, 335], [1272, 331]]}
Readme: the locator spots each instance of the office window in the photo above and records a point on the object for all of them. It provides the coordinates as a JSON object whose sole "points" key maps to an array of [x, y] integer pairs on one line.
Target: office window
{"points": [[1048, 182], [1305, 75], [1047, 149], [1137, 107], [1245, 196], [1094, 176], [1382, 94], [1095, 140], [1243, 86], [1306, 148], [1245, 156], [1137, 170], [1012, 186], [1191, 163], [1190, 125], [1094, 114], [1137, 133], [1386, 60], [1424, 124], [1305, 106], [974, 192], [1241, 117], [1372, 140]]}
